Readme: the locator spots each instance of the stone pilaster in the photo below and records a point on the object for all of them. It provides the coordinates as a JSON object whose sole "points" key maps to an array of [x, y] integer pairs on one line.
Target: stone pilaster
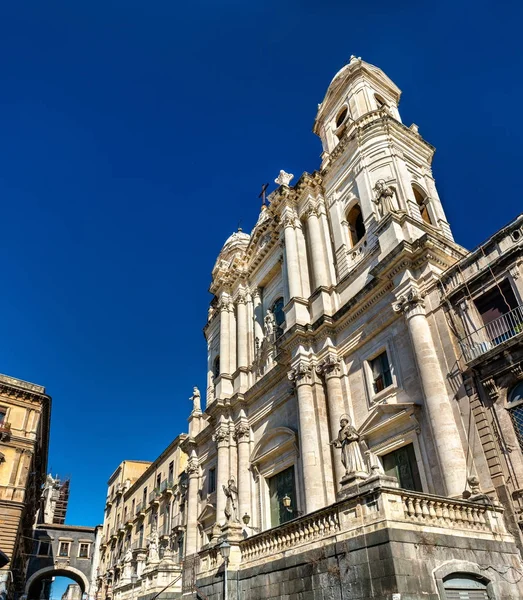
{"points": [[330, 369], [317, 249], [221, 437], [191, 535], [242, 434], [258, 314], [232, 339], [439, 410], [224, 336], [301, 374], [291, 257], [241, 326]]}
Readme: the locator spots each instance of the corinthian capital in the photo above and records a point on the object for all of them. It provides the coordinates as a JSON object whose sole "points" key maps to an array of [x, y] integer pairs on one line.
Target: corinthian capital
{"points": [[221, 435], [331, 365], [301, 373], [192, 464], [289, 221], [408, 302], [241, 298], [242, 432]]}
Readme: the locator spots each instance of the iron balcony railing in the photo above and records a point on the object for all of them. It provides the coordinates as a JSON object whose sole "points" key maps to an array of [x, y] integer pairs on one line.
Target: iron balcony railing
{"points": [[492, 334]]}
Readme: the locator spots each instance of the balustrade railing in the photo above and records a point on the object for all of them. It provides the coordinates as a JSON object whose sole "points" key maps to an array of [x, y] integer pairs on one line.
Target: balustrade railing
{"points": [[390, 506], [492, 334], [299, 531]]}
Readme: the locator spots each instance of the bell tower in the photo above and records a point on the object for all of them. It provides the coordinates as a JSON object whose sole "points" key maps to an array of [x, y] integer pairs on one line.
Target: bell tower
{"points": [[374, 166]]}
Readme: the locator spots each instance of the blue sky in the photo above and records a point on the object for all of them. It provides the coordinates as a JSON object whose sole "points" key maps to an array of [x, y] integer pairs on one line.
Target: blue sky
{"points": [[134, 137]]}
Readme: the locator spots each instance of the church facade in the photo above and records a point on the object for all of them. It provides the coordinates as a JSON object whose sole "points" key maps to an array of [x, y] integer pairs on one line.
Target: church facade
{"points": [[333, 451]]}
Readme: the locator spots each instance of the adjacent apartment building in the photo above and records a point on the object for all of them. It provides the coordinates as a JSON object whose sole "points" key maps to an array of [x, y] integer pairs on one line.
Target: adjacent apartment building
{"points": [[25, 411], [362, 423]]}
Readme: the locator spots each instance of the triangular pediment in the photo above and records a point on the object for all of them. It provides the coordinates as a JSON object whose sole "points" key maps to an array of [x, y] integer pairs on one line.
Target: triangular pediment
{"points": [[385, 416], [208, 513]]}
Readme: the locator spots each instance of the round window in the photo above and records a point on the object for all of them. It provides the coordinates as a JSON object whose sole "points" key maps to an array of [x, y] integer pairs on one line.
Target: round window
{"points": [[516, 394]]}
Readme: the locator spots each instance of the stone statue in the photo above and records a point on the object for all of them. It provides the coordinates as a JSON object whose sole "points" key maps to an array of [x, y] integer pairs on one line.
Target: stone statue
{"points": [[231, 505], [196, 400], [351, 456], [127, 566], [152, 549], [284, 178], [384, 199], [270, 325]]}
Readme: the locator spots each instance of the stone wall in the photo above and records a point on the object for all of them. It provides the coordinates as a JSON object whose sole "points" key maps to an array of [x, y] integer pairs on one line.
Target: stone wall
{"points": [[374, 565]]}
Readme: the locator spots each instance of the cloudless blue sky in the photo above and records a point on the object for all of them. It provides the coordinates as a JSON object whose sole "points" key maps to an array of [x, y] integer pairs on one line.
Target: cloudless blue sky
{"points": [[134, 136]]}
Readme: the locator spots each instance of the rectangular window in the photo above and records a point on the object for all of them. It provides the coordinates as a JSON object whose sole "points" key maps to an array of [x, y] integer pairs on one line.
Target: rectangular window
{"points": [[44, 549], [211, 485], [381, 372], [3, 413], [140, 537], [282, 491], [133, 505], [402, 464], [64, 549], [83, 552], [145, 496], [171, 472], [158, 480]]}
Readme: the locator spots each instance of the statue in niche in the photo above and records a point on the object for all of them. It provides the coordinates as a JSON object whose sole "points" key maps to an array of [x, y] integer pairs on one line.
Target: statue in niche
{"points": [[127, 566], [152, 549], [385, 199], [270, 325], [196, 400], [351, 455], [231, 505]]}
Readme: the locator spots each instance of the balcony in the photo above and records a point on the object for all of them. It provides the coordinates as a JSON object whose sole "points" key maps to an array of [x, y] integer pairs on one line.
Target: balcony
{"points": [[5, 431], [492, 334], [139, 511], [154, 496], [166, 487]]}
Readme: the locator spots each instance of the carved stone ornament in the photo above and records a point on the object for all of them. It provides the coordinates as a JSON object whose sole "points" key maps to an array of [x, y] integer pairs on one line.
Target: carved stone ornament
{"points": [[242, 432], [491, 388], [241, 298], [192, 466], [473, 482], [312, 211], [329, 366], [408, 301], [289, 221], [302, 372], [221, 434], [284, 178]]}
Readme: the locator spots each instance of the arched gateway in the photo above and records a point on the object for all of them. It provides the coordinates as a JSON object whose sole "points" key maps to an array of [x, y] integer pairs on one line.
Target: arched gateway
{"points": [[59, 551]]}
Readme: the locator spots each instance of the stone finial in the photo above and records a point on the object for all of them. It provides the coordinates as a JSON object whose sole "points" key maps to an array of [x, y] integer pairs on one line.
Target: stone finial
{"points": [[284, 178]]}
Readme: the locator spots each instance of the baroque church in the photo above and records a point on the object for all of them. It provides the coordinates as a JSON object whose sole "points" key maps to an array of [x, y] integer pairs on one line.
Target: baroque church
{"points": [[361, 429]]}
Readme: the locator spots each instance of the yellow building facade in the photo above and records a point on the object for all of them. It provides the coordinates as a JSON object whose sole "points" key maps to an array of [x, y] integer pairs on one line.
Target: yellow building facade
{"points": [[24, 441]]}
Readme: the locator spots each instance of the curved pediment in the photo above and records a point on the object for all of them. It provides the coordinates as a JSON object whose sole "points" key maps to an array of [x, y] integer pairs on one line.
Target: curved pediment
{"points": [[208, 513], [274, 442]]}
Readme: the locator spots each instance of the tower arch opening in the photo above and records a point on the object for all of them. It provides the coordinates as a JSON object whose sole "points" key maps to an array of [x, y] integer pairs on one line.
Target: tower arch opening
{"points": [[356, 225]]}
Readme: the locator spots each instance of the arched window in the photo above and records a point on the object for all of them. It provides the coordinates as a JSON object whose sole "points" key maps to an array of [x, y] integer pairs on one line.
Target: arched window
{"points": [[464, 586], [421, 201], [342, 115], [216, 367], [515, 409], [356, 225], [279, 315]]}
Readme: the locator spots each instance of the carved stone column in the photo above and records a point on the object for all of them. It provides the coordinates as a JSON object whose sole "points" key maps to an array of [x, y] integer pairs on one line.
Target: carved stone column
{"points": [[242, 434], [330, 369], [439, 409], [224, 336], [221, 437], [317, 249], [302, 375], [258, 314], [292, 258], [241, 326], [191, 534], [232, 339]]}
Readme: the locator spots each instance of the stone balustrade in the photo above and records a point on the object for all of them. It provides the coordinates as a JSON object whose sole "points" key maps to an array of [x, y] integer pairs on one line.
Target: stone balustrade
{"points": [[377, 507], [297, 532]]}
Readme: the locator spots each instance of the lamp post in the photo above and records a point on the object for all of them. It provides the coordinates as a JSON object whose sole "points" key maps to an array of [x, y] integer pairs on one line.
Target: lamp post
{"points": [[286, 501], [246, 520], [225, 551]]}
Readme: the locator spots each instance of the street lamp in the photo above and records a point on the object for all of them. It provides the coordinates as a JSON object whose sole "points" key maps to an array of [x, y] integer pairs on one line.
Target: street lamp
{"points": [[225, 551], [286, 501], [246, 520]]}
